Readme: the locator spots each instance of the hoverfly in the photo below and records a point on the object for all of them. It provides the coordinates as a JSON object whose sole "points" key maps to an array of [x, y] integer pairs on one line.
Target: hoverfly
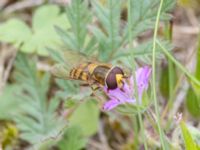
{"points": [[78, 66]]}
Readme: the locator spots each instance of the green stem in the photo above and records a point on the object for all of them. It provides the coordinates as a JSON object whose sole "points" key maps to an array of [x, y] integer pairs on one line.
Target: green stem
{"points": [[154, 77], [133, 67], [183, 69], [179, 65], [136, 131]]}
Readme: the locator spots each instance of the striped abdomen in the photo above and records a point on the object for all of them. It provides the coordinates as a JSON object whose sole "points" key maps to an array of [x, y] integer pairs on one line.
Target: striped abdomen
{"points": [[90, 71], [98, 73], [80, 73]]}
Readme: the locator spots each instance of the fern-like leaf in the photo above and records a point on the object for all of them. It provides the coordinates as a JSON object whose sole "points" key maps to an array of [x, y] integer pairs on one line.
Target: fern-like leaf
{"points": [[77, 37], [109, 36], [38, 120]]}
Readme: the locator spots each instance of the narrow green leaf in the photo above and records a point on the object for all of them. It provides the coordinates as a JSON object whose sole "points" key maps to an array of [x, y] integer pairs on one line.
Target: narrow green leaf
{"points": [[198, 63], [192, 103], [197, 72], [67, 38], [142, 52], [143, 15], [79, 17], [193, 93], [108, 35], [56, 55], [165, 80], [195, 132], [189, 142]]}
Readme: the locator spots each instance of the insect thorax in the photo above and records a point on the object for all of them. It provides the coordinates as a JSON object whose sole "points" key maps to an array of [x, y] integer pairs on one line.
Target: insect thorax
{"points": [[100, 73]]}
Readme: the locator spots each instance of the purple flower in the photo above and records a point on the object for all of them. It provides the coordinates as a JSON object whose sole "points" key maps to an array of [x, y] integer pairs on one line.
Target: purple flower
{"points": [[125, 94]]}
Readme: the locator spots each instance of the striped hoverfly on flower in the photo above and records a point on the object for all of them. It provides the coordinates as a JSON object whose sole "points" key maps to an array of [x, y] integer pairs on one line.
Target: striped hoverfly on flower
{"points": [[77, 66]]}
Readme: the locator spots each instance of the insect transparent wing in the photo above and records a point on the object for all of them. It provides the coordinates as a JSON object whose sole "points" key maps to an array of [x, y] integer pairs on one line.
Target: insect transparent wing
{"points": [[127, 71], [73, 58], [60, 71]]}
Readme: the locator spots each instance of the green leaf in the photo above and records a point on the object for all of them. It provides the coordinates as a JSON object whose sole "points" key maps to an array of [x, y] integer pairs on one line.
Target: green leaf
{"points": [[193, 93], [14, 31], [197, 71], [67, 88], [55, 55], [129, 109], [10, 103], [72, 139], [165, 80], [142, 52], [45, 16], [86, 117], [192, 103], [77, 37], [108, 36], [195, 132], [39, 120], [143, 15], [68, 38], [189, 142], [44, 35]]}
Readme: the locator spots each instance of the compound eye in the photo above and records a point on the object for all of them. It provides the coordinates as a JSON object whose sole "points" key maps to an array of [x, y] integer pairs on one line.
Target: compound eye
{"points": [[117, 70], [111, 81]]}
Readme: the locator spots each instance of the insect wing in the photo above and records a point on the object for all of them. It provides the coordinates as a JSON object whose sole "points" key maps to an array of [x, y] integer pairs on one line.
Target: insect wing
{"points": [[127, 72], [61, 71], [74, 59]]}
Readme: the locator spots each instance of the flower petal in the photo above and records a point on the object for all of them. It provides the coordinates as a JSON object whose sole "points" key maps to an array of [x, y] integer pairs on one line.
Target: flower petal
{"points": [[125, 95], [128, 88], [114, 103], [111, 104], [117, 94], [142, 79]]}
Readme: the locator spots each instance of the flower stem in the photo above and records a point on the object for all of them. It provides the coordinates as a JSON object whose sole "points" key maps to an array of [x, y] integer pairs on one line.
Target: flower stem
{"points": [[154, 77], [181, 67], [133, 67], [178, 64]]}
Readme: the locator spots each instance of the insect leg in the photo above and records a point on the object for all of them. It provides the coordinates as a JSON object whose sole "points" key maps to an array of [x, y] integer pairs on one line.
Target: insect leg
{"points": [[95, 87], [84, 84]]}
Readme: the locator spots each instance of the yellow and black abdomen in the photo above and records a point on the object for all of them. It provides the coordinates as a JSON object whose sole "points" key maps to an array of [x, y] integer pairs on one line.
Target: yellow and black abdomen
{"points": [[98, 73], [93, 72], [80, 72]]}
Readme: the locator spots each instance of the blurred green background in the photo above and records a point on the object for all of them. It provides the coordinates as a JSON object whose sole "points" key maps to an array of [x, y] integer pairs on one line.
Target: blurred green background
{"points": [[39, 111]]}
